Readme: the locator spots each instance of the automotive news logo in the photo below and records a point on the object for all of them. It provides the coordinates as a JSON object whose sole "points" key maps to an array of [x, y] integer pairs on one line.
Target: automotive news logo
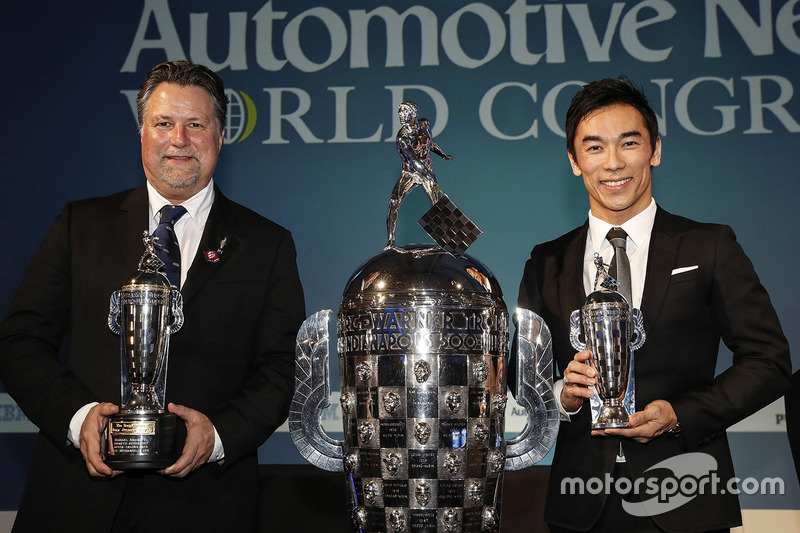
{"points": [[242, 116], [691, 475]]}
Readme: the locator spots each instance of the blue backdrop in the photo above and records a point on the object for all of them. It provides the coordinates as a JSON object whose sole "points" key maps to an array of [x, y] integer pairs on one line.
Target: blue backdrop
{"points": [[310, 139]]}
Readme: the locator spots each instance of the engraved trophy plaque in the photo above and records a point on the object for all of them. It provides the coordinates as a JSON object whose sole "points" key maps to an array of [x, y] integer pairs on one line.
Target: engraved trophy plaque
{"points": [[145, 312], [612, 330], [423, 336]]}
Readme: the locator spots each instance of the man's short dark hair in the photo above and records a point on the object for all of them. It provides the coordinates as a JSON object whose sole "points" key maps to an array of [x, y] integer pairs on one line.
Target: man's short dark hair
{"points": [[185, 74], [605, 93]]}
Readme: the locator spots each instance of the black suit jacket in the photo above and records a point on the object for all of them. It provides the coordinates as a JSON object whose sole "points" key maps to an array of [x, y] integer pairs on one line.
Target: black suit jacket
{"points": [[233, 360], [685, 316]]}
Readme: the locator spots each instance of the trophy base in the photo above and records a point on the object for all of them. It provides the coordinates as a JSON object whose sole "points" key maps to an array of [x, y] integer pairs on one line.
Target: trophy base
{"points": [[612, 416], [141, 441]]}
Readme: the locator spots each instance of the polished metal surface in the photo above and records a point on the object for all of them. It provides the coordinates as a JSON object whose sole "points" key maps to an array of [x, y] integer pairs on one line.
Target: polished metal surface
{"points": [[145, 312], [414, 144], [423, 340], [611, 331]]}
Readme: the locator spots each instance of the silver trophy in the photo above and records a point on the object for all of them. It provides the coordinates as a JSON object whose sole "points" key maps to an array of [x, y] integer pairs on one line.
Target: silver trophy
{"points": [[144, 313], [423, 359], [612, 330]]}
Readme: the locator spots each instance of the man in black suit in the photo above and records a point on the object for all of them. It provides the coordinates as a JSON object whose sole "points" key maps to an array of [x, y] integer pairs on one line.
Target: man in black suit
{"points": [[231, 366], [694, 286]]}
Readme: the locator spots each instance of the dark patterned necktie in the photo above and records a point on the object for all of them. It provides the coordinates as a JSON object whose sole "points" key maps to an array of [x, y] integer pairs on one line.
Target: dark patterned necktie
{"points": [[620, 268], [166, 245]]}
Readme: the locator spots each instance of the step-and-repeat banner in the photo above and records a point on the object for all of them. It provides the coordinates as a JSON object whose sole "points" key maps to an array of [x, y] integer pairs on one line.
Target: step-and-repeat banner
{"points": [[314, 88]]}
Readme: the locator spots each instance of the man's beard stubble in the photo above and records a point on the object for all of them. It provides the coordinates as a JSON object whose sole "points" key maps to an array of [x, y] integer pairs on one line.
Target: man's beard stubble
{"points": [[179, 180]]}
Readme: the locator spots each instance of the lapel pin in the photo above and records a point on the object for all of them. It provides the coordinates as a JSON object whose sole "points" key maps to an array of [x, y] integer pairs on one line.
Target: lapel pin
{"points": [[212, 256]]}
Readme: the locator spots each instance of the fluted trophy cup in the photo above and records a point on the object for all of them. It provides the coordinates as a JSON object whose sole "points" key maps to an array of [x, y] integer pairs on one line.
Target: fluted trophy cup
{"points": [[612, 330], [145, 312], [423, 337]]}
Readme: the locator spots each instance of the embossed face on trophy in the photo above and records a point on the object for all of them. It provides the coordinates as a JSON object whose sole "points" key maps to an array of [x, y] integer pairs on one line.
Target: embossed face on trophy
{"points": [[422, 371]]}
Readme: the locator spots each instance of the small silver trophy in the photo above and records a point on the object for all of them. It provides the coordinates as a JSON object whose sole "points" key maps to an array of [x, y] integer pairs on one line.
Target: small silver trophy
{"points": [[423, 363], [612, 329], [144, 313]]}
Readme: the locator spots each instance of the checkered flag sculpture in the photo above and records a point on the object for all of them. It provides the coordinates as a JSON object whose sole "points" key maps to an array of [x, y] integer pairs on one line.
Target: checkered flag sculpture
{"points": [[449, 226]]}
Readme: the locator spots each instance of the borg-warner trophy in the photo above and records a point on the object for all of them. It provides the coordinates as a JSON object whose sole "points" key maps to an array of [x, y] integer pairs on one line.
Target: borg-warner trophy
{"points": [[423, 337], [144, 313], [612, 330]]}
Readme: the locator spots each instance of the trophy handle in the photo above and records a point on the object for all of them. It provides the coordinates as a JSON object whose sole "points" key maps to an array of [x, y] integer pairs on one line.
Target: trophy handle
{"points": [[639, 335], [575, 331], [312, 395], [113, 313], [177, 311], [534, 391]]}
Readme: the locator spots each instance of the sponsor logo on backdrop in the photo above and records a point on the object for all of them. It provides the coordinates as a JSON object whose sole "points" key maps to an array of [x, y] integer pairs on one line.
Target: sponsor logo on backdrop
{"points": [[242, 116], [280, 36], [12, 419], [670, 484]]}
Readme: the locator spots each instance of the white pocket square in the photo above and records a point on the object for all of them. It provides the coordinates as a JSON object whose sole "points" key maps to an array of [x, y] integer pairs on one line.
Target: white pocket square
{"points": [[684, 269]]}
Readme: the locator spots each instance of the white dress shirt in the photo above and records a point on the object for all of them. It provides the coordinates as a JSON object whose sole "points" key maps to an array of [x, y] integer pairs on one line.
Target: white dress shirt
{"points": [[189, 230]]}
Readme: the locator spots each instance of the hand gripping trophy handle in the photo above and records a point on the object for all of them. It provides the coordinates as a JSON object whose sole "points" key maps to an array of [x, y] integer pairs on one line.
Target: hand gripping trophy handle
{"points": [[534, 392], [312, 395]]}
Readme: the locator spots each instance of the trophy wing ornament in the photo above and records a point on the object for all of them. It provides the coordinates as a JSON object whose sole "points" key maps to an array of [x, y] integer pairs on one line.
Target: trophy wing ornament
{"points": [[534, 392], [177, 311], [312, 395]]}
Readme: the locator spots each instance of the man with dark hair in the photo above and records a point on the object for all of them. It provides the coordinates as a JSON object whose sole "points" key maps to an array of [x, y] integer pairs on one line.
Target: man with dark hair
{"points": [[231, 366], [694, 286]]}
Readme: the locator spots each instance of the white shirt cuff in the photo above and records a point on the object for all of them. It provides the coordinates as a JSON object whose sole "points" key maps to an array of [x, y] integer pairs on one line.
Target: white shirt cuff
{"points": [[75, 424], [219, 450], [564, 414]]}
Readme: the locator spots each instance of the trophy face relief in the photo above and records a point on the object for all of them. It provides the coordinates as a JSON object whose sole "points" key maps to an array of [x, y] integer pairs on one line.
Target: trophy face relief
{"points": [[422, 371], [423, 493], [422, 432]]}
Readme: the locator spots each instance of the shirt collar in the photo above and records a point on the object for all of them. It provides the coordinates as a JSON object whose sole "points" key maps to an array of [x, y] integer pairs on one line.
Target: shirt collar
{"points": [[197, 207], [638, 228]]}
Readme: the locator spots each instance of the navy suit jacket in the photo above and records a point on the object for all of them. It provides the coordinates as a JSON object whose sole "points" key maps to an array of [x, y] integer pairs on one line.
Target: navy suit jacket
{"points": [[233, 360], [685, 316]]}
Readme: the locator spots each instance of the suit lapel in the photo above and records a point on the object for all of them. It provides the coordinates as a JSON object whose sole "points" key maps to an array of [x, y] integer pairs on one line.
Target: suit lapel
{"points": [[129, 225], [216, 238], [571, 288], [661, 258]]}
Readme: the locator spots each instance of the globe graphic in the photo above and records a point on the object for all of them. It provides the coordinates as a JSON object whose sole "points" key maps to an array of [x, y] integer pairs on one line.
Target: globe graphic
{"points": [[237, 117]]}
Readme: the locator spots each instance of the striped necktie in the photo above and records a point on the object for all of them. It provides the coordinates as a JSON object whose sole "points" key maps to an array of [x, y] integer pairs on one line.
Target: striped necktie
{"points": [[166, 245], [620, 268]]}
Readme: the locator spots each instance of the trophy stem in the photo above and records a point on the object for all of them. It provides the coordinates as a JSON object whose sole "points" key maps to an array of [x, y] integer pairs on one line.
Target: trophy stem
{"points": [[612, 415], [143, 400]]}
